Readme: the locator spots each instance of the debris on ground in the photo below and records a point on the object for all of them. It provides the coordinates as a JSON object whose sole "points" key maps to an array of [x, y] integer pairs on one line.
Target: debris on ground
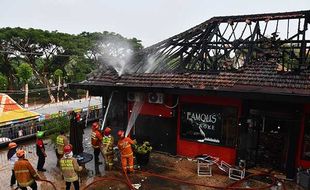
{"points": [[137, 185]]}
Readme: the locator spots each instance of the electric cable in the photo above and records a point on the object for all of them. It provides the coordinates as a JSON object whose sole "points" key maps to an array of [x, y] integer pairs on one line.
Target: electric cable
{"points": [[40, 54], [33, 90]]}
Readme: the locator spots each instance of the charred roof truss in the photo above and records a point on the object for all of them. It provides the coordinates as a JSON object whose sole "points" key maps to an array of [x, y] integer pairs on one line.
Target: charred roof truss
{"points": [[229, 43]]}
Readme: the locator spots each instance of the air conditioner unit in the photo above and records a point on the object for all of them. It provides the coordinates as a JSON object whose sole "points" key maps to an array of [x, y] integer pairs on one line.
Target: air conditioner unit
{"points": [[134, 96], [156, 98]]}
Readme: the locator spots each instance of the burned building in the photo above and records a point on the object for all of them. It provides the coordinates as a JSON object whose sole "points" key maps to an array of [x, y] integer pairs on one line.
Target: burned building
{"points": [[235, 87]]}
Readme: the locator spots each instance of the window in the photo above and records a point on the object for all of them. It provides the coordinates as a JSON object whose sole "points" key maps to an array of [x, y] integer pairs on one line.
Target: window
{"points": [[306, 143], [209, 124]]}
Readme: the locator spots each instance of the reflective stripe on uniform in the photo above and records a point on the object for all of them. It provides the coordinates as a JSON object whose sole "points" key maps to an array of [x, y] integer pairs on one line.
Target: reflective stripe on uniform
{"points": [[125, 155], [125, 145], [22, 171], [94, 136], [106, 140], [66, 163], [26, 184], [60, 141], [71, 179]]}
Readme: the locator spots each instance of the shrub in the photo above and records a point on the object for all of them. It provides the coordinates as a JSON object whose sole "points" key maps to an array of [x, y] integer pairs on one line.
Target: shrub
{"points": [[52, 127], [142, 149]]}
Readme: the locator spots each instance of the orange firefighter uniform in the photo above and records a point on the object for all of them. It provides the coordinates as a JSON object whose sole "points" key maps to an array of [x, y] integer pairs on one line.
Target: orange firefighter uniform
{"points": [[124, 145], [24, 172], [107, 148], [96, 139], [61, 142]]}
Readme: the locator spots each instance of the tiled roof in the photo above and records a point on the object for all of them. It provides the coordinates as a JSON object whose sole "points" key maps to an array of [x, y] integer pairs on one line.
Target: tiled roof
{"points": [[262, 77]]}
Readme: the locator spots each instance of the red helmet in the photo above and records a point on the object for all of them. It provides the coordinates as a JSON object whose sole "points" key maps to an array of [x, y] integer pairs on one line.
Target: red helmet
{"points": [[67, 148], [12, 145], [95, 126], [20, 153], [120, 133], [78, 117], [107, 131]]}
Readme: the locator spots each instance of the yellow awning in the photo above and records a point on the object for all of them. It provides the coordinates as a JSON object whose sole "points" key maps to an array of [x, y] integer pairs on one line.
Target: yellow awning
{"points": [[11, 112], [16, 116]]}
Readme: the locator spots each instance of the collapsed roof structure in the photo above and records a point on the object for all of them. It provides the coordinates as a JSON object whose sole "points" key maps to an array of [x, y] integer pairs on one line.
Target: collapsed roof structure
{"points": [[266, 53]]}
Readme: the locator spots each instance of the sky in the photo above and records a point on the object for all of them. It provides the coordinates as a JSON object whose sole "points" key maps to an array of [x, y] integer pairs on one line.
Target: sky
{"points": [[151, 21]]}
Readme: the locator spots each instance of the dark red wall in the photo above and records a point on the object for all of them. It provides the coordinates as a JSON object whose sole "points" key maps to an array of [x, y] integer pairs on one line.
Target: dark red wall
{"points": [[300, 162], [192, 149], [158, 110]]}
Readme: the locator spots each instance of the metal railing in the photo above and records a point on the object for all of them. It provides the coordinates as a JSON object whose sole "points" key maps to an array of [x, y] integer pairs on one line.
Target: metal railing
{"points": [[28, 129]]}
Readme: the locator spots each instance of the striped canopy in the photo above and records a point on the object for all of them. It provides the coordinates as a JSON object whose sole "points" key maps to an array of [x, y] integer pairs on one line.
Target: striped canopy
{"points": [[11, 112]]}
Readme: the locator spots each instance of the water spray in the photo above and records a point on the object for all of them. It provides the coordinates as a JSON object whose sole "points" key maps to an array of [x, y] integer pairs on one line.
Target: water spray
{"points": [[106, 111], [117, 53], [87, 113], [135, 112]]}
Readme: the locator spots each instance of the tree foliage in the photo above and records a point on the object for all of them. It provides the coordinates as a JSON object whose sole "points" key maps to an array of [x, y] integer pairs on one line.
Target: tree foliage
{"points": [[3, 82], [49, 52], [24, 72]]}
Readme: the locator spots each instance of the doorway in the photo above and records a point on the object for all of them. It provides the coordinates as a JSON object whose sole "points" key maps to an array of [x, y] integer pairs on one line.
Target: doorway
{"points": [[268, 139], [272, 142], [160, 132]]}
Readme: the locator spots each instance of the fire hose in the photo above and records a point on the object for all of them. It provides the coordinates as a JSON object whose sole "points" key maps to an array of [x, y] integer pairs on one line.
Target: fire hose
{"points": [[230, 186], [44, 180], [47, 181], [129, 185]]}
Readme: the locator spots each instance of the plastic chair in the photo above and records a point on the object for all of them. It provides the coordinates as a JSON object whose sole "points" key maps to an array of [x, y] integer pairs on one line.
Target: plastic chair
{"points": [[224, 166], [204, 165], [234, 172]]}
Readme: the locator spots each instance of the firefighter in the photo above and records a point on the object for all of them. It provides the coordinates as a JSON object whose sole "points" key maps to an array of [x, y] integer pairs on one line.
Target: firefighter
{"points": [[107, 148], [96, 139], [61, 142], [124, 146], [24, 172], [69, 166], [12, 158], [40, 149]]}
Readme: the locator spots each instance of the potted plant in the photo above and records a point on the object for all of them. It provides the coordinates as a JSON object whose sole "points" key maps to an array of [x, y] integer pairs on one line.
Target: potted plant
{"points": [[142, 153]]}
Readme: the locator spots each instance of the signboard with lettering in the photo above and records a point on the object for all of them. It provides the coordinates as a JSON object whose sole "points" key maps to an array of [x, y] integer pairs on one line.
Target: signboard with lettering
{"points": [[202, 123]]}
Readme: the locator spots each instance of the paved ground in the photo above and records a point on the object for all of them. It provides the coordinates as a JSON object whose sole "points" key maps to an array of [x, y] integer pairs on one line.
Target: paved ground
{"points": [[162, 164]]}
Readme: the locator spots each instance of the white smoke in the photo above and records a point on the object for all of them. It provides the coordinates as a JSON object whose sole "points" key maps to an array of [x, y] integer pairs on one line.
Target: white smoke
{"points": [[116, 52]]}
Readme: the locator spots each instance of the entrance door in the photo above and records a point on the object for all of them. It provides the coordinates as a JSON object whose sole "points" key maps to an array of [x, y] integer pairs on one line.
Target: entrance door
{"points": [[271, 140], [159, 131]]}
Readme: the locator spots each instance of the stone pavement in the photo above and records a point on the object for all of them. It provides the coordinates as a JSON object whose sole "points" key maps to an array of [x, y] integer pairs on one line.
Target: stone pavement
{"points": [[163, 164]]}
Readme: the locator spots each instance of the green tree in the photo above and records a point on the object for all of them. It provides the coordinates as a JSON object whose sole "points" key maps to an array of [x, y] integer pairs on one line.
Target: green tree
{"points": [[46, 52], [24, 71], [7, 55], [3, 82]]}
